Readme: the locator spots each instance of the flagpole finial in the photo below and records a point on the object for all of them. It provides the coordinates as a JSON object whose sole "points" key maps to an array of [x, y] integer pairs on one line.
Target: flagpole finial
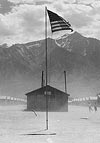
{"points": [[45, 7]]}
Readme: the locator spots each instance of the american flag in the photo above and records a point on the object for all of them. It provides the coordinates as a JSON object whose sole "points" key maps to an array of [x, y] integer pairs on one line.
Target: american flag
{"points": [[58, 23]]}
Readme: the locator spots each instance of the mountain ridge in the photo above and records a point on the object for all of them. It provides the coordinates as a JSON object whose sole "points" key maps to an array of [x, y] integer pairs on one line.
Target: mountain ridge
{"points": [[21, 65]]}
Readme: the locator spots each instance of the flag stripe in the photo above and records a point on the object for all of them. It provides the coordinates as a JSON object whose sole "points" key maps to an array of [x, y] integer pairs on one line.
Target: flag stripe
{"points": [[61, 23], [56, 25], [54, 22], [62, 28]]}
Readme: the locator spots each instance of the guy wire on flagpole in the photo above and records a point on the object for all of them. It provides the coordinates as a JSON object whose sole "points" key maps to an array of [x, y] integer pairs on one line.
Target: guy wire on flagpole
{"points": [[46, 68]]}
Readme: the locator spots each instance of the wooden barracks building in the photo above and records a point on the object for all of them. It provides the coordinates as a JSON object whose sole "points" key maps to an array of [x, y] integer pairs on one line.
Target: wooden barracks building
{"points": [[57, 100]]}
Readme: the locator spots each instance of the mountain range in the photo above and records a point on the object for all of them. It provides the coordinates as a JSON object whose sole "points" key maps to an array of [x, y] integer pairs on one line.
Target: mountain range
{"points": [[21, 66]]}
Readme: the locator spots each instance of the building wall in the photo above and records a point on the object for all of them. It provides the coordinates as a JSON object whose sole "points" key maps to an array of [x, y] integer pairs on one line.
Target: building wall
{"points": [[55, 102]]}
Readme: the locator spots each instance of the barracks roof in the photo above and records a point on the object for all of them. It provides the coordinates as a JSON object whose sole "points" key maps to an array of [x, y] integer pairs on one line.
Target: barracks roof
{"points": [[42, 90]]}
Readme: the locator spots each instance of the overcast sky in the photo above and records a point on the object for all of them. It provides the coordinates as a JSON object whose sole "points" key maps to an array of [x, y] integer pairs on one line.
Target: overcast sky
{"points": [[22, 21]]}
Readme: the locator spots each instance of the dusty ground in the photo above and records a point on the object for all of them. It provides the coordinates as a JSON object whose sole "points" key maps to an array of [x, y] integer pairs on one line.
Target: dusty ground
{"points": [[18, 126]]}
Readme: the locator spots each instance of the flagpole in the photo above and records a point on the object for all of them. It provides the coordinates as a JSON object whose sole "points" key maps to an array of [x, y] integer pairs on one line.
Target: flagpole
{"points": [[46, 67]]}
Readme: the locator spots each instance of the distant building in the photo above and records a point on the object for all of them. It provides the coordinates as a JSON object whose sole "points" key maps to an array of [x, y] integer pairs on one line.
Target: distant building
{"points": [[57, 100]]}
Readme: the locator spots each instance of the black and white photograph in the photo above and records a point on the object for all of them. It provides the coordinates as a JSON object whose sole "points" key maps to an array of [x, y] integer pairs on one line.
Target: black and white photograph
{"points": [[49, 71]]}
